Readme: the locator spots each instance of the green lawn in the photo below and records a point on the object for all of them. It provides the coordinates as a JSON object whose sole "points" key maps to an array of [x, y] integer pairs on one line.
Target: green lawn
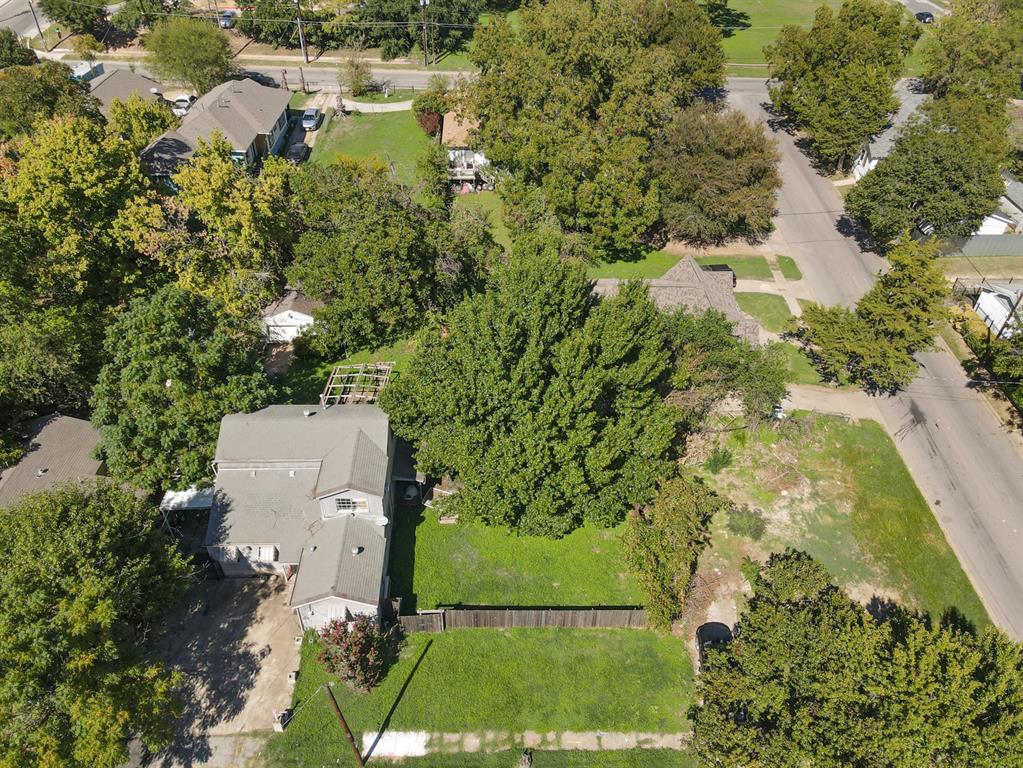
{"points": [[379, 97], [841, 492], [304, 381], [744, 267], [653, 264], [635, 758], [799, 366], [390, 137], [491, 204], [985, 266], [508, 680], [769, 310], [748, 25], [788, 268], [475, 564]]}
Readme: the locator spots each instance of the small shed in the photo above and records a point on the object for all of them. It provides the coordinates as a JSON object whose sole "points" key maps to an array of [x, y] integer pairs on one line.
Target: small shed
{"points": [[288, 316]]}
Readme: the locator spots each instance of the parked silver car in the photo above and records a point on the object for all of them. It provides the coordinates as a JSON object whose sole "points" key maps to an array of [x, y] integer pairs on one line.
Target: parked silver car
{"points": [[227, 19], [311, 119]]}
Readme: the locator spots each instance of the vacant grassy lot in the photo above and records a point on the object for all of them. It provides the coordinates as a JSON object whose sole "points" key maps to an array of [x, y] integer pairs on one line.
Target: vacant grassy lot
{"points": [[510, 680], [748, 25], [789, 269], [744, 267], [393, 138], [304, 381], [491, 204], [636, 758], [841, 492], [653, 264], [474, 564], [769, 310]]}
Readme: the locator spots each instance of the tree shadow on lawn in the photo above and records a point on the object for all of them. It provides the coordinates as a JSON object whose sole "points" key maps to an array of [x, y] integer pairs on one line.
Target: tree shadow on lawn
{"points": [[397, 700], [727, 20]]}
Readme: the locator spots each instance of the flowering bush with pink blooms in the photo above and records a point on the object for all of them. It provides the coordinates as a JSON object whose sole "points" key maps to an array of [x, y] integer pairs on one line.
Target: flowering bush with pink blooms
{"points": [[358, 651]]}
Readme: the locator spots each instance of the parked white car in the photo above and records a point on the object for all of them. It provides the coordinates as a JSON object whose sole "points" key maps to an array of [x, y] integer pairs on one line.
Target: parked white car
{"points": [[181, 105]]}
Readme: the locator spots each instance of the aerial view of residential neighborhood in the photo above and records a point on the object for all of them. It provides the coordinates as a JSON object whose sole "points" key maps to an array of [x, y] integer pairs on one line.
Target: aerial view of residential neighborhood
{"points": [[511, 384]]}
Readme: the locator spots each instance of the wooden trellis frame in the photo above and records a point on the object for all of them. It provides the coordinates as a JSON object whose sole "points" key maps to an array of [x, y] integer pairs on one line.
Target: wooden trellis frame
{"points": [[350, 384]]}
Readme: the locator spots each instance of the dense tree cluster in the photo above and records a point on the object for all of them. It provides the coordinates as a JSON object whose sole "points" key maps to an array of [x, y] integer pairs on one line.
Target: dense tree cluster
{"points": [[88, 578], [834, 80], [12, 51], [813, 679], [575, 102], [450, 24], [189, 51], [31, 94], [874, 343]]}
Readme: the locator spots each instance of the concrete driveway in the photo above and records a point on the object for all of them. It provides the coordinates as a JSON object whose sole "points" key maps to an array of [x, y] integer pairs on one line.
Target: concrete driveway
{"points": [[234, 640], [963, 460]]}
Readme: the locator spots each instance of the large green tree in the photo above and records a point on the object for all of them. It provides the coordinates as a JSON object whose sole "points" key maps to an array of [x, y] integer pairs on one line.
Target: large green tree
{"points": [[377, 259], [395, 26], [190, 51], [12, 51], [548, 409], [29, 95], [834, 80], [569, 101], [273, 22], [812, 679], [138, 121], [73, 15], [943, 170], [717, 175], [88, 578], [875, 343], [175, 365]]}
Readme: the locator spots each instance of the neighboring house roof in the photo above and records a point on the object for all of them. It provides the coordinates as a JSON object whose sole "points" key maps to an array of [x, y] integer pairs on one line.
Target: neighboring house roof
{"points": [[239, 109], [686, 284], [293, 300], [1013, 189], [58, 449], [455, 131], [120, 84], [909, 92]]}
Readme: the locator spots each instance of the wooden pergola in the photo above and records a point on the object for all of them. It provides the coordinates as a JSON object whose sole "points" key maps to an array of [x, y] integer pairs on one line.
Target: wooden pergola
{"points": [[351, 384]]}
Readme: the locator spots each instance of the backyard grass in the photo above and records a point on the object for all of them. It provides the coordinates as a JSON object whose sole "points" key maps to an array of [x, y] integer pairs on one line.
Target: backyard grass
{"points": [[652, 265], [304, 381], [508, 680], [393, 138], [633, 758], [984, 266], [748, 25], [380, 97], [744, 267], [475, 564], [769, 310], [788, 268], [491, 204], [840, 491]]}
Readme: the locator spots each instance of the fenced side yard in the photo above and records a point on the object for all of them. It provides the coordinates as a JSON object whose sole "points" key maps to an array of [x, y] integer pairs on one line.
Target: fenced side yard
{"points": [[523, 618]]}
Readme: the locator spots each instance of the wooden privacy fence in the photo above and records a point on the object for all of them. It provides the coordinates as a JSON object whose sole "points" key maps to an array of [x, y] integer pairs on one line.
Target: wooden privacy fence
{"points": [[525, 618]]}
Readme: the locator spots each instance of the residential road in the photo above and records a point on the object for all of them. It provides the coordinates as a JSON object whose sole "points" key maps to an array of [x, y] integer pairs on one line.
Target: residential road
{"points": [[962, 458]]}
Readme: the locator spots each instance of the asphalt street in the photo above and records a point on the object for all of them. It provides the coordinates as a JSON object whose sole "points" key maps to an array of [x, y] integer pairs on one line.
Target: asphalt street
{"points": [[17, 15], [957, 450]]}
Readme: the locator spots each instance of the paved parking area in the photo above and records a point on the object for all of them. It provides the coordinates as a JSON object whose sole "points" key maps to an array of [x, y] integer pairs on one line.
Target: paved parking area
{"points": [[234, 640]]}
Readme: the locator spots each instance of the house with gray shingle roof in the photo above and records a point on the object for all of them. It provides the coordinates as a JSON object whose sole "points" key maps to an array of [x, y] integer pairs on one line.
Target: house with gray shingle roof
{"points": [[911, 96], [687, 284], [306, 492], [252, 117]]}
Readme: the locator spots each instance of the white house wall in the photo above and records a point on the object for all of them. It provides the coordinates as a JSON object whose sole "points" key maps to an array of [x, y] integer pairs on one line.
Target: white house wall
{"points": [[247, 559], [285, 326], [318, 614]]}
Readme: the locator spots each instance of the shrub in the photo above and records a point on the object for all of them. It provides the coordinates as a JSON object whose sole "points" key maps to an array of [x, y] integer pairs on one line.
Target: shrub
{"points": [[719, 459], [743, 521], [358, 651], [430, 105]]}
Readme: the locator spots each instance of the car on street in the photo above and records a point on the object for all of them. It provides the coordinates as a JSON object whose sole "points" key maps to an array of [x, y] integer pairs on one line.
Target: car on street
{"points": [[925, 17], [297, 152], [181, 105], [227, 19], [311, 119]]}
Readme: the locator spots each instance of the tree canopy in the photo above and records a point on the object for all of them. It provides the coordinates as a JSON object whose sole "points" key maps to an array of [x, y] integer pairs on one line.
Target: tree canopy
{"points": [[813, 679], [29, 95], [12, 51], [834, 80], [547, 408], [875, 344], [395, 26], [175, 365], [74, 15], [138, 121], [88, 577], [190, 51], [578, 147]]}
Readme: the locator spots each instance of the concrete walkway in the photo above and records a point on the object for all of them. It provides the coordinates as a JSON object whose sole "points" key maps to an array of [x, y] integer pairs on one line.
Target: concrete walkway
{"points": [[418, 743], [376, 107]]}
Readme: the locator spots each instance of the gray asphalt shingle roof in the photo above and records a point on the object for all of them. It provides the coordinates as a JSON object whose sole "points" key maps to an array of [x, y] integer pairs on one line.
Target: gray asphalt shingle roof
{"points": [[120, 84]]}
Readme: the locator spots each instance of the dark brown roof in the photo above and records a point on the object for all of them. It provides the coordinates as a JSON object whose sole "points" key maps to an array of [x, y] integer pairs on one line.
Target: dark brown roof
{"points": [[58, 449], [686, 284], [292, 299]]}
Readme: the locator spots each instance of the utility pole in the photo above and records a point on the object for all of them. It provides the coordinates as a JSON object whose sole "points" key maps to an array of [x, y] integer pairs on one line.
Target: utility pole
{"points": [[344, 724], [35, 18], [301, 78], [301, 34], [284, 79], [423, 5]]}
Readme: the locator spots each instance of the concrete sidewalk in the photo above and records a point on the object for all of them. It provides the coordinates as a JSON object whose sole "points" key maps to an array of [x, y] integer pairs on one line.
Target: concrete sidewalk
{"points": [[419, 743]]}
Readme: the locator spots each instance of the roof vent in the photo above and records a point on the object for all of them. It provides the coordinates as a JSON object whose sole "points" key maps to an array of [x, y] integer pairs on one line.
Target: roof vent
{"points": [[312, 548], [357, 550], [42, 471], [291, 473], [307, 413], [252, 473]]}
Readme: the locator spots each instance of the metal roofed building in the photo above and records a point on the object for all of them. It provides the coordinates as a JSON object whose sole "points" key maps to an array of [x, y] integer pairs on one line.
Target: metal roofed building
{"points": [[252, 117], [687, 284], [58, 450], [306, 492]]}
